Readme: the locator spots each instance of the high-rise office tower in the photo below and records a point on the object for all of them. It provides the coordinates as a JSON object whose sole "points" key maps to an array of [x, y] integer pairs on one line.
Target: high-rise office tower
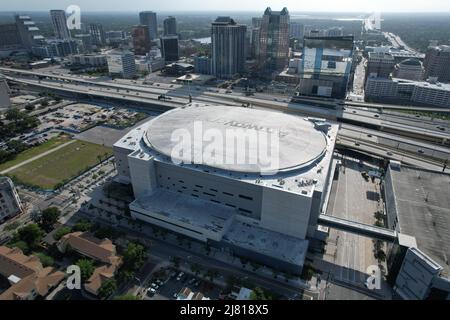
{"points": [[141, 40], [227, 47], [254, 37], [170, 26], [59, 23], [296, 30], [169, 48], [437, 63], [98, 34], [28, 32], [273, 51], [148, 18], [9, 36], [256, 22]]}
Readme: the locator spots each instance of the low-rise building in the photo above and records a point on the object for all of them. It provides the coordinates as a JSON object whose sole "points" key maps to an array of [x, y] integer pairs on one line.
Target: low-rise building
{"points": [[179, 69], [56, 48], [27, 277], [85, 42], [149, 64], [380, 64], [409, 69], [100, 250], [121, 63], [10, 204], [400, 91], [202, 65], [89, 60]]}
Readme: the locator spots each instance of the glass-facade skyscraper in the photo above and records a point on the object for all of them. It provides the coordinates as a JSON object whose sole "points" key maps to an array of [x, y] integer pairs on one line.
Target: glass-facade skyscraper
{"points": [[326, 66], [273, 48], [227, 47], [148, 18]]}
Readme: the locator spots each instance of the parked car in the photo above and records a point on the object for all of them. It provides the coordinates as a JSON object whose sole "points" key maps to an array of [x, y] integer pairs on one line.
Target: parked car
{"points": [[180, 275]]}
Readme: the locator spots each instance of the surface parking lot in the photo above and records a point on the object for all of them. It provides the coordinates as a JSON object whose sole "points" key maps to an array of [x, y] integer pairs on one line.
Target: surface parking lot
{"points": [[170, 284]]}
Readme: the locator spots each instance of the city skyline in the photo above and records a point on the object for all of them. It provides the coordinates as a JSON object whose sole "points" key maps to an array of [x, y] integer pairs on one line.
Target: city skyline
{"points": [[252, 5]]}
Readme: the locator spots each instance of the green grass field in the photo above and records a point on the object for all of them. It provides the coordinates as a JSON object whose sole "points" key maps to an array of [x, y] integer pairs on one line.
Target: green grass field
{"points": [[61, 166], [35, 151]]}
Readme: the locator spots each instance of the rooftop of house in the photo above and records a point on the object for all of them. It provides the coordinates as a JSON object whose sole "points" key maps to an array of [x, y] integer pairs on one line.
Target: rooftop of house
{"points": [[31, 279]]}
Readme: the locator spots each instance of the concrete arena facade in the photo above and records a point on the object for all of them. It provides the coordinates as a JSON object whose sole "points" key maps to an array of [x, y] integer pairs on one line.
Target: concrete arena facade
{"points": [[267, 217]]}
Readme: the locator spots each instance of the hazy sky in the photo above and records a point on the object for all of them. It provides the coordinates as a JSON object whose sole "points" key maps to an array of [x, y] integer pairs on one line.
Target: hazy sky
{"points": [[232, 5]]}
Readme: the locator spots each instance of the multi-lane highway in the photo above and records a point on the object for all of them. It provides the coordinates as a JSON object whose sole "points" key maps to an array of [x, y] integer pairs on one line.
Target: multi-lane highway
{"points": [[417, 131]]}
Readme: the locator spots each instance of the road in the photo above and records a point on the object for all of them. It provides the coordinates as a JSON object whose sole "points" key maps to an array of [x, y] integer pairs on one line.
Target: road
{"points": [[397, 42], [350, 255], [148, 94], [357, 92]]}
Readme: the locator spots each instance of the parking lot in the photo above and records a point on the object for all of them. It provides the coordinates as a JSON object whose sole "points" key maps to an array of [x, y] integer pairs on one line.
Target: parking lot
{"points": [[167, 283]]}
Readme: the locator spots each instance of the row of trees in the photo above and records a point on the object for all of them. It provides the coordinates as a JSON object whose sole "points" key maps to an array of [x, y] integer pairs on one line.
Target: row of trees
{"points": [[17, 122], [13, 148]]}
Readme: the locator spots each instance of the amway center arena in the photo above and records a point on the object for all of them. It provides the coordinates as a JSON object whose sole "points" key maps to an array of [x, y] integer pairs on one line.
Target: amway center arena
{"points": [[258, 206]]}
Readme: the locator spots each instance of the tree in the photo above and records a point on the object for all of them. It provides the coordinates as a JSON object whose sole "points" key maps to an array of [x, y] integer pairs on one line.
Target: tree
{"points": [[125, 276], [82, 225], [259, 294], [31, 234], [107, 289], [86, 267], [49, 217], [134, 257], [16, 146], [380, 255], [13, 114], [22, 245], [61, 232], [46, 260]]}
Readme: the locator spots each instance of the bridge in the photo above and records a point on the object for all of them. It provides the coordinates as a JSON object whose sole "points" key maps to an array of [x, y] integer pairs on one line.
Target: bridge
{"points": [[358, 228]]}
